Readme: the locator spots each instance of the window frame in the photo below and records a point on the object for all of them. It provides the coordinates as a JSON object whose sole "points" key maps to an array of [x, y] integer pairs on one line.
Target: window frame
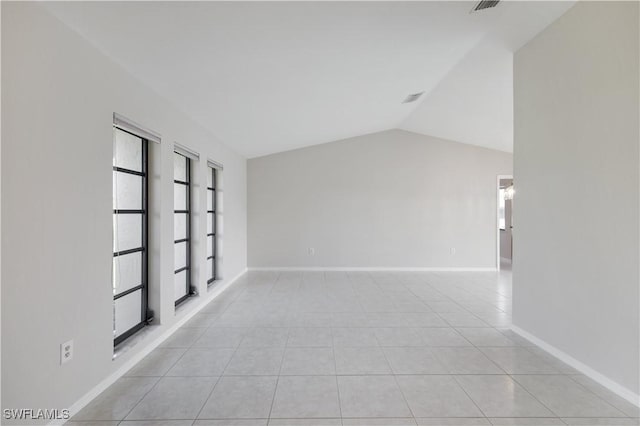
{"points": [[213, 212], [143, 249], [187, 240]]}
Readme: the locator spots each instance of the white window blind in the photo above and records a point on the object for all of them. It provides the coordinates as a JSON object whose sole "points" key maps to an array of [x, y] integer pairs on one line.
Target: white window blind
{"points": [[214, 165], [187, 152], [135, 128]]}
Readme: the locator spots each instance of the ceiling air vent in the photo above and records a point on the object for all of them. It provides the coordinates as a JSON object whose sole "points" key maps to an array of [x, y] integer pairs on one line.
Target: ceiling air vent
{"points": [[412, 98], [485, 4]]}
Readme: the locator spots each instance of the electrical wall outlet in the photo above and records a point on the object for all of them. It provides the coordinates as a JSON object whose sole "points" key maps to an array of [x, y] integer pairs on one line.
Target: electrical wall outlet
{"points": [[312, 251], [66, 352], [453, 250]]}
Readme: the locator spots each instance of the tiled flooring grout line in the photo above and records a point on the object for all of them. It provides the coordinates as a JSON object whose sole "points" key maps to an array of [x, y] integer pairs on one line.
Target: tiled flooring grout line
{"points": [[275, 389], [593, 393], [490, 360], [395, 379], [544, 405], [221, 373], [455, 379], [300, 297], [335, 366], [534, 397], [476, 347], [159, 378]]}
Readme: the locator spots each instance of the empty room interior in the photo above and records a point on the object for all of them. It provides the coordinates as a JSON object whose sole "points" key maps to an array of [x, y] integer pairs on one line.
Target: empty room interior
{"points": [[320, 213]]}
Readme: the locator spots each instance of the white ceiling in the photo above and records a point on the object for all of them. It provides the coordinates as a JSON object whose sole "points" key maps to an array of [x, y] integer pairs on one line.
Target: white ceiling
{"points": [[473, 103], [272, 76]]}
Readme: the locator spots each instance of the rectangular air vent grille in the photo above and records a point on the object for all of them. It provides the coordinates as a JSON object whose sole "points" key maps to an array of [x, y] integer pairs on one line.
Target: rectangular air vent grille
{"points": [[485, 4], [412, 98]]}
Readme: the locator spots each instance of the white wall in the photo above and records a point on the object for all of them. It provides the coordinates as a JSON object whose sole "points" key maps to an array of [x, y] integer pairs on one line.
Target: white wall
{"points": [[575, 270], [58, 97], [389, 199]]}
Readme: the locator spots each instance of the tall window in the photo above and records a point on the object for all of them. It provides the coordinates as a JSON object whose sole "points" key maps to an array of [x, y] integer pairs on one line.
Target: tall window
{"points": [[182, 226], [129, 278], [211, 225]]}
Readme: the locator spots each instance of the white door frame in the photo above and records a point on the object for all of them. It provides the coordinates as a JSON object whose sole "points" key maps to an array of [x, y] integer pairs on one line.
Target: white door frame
{"points": [[498, 179]]}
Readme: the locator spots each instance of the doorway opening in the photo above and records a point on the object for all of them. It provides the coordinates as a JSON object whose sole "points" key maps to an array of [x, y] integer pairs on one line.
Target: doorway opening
{"points": [[504, 239]]}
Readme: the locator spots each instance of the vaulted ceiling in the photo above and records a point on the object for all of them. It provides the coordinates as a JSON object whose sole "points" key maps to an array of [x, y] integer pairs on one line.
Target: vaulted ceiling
{"points": [[266, 77]]}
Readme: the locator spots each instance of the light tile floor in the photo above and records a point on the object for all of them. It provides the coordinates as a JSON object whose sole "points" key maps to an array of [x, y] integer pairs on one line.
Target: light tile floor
{"points": [[355, 348]]}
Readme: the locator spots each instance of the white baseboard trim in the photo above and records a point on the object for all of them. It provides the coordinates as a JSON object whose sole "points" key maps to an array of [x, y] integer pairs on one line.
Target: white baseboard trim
{"points": [[614, 387], [371, 268], [154, 342]]}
